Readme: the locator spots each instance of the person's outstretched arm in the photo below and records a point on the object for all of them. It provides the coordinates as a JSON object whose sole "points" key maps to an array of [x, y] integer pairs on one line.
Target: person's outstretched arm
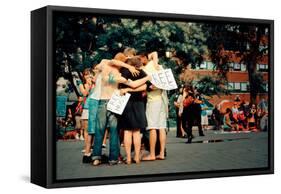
{"points": [[125, 65], [138, 89]]}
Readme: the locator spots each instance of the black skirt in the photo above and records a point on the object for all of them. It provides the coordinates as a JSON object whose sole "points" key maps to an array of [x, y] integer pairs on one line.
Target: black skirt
{"points": [[133, 116]]}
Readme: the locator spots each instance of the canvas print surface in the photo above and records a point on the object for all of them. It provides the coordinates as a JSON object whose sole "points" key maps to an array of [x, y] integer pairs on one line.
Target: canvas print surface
{"points": [[147, 96]]}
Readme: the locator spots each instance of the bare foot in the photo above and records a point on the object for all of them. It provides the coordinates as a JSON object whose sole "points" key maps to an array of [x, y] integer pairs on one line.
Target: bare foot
{"points": [[148, 158], [137, 160], [160, 157]]}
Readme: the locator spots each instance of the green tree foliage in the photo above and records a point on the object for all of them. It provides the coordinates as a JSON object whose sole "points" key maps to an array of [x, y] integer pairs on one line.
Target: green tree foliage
{"points": [[244, 38], [84, 41], [210, 86]]}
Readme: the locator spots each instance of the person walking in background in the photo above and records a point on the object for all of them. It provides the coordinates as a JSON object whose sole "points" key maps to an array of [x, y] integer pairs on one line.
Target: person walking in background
{"points": [[178, 104], [216, 117], [196, 111], [204, 116], [186, 112]]}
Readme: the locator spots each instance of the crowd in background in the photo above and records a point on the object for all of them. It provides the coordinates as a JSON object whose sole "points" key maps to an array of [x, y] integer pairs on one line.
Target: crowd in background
{"points": [[192, 110]]}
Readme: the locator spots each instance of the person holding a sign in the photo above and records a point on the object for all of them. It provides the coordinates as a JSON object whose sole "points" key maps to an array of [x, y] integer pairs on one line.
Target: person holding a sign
{"points": [[156, 112], [133, 118], [110, 78]]}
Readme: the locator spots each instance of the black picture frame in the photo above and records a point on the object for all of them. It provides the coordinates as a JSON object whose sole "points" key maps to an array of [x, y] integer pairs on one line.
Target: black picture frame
{"points": [[43, 152]]}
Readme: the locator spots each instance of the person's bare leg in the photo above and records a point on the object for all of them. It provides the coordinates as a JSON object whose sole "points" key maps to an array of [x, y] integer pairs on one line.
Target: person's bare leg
{"points": [[162, 138], [128, 144], [105, 137], [152, 143], [81, 132], [182, 130], [85, 127], [88, 146], [137, 144]]}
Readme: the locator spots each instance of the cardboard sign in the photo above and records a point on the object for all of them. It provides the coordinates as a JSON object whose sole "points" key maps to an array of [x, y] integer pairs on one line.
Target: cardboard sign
{"points": [[164, 79], [117, 103]]}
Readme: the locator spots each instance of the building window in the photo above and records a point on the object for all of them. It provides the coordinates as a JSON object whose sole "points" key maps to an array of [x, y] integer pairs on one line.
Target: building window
{"points": [[243, 67], [237, 86], [244, 87], [203, 65], [230, 86], [262, 67], [210, 65], [237, 67], [266, 87], [230, 65]]}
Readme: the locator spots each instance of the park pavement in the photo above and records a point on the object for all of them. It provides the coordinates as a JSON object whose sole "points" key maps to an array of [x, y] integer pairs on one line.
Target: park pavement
{"points": [[214, 151]]}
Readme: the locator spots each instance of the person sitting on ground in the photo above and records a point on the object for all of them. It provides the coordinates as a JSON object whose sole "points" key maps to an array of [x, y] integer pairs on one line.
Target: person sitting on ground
{"points": [[227, 125]]}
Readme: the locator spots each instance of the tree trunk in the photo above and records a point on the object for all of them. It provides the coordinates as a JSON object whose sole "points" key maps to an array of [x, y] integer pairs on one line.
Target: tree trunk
{"points": [[70, 77], [252, 63], [251, 71]]}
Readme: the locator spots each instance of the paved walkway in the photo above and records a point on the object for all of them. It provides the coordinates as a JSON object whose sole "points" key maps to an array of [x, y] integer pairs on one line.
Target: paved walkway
{"points": [[215, 151]]}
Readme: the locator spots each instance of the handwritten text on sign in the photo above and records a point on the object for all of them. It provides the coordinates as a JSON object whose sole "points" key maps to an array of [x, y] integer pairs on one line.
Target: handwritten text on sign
{"points": [[164, 79], [117, 103]]}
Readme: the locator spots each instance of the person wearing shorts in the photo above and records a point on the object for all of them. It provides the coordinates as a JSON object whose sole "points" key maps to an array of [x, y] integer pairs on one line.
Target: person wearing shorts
{"points": [[204, 116], [86, 89]]}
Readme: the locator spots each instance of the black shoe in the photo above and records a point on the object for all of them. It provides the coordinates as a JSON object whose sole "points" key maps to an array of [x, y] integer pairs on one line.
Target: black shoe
{"points": [[189, 140], [87, 159], [113, 162], [201, 134]]}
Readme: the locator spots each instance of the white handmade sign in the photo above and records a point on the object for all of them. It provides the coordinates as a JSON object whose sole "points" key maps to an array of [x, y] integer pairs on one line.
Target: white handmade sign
{"points": [[117, 103], [164, 79]]}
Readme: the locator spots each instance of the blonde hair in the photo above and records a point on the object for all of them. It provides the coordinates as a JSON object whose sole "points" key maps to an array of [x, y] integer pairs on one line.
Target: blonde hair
{"points": [[129, 52], [120, 57]]}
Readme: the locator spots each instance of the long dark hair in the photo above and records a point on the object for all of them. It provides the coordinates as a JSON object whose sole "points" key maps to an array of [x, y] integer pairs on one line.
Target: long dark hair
{"points": [[86, 72], [228, 110]]}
